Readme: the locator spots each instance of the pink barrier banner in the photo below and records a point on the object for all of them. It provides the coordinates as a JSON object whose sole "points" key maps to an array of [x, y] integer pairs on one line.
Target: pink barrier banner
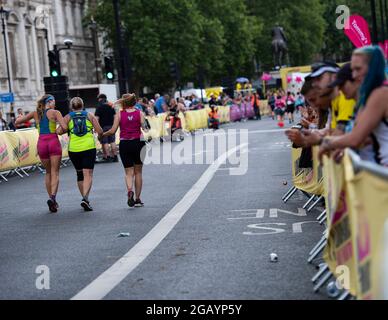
{"points": [[235, 113]]}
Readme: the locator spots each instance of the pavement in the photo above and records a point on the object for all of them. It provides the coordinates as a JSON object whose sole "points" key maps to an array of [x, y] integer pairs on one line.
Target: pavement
{"points": [[203, 233]]}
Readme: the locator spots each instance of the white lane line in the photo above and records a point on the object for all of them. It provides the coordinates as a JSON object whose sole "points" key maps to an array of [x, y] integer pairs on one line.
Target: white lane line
{"points": [[109, 279]]}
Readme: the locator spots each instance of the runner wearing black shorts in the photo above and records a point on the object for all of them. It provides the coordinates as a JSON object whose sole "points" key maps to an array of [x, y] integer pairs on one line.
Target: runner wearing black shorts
{"points": [[132, 148], [82, 147], [290, 107]]}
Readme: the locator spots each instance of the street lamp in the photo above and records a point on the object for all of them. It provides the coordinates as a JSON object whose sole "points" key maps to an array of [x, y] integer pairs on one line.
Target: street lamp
{"points": [[4, 16]]}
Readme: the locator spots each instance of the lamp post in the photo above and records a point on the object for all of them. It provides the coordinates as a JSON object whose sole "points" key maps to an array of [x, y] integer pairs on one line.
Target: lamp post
{"points": [[4, 16], [121, 65]]}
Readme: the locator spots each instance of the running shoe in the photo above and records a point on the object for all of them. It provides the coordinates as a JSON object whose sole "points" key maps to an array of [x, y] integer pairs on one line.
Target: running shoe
{"points": [[86, 205], [139, 204], [52, 205], [131, 200]]}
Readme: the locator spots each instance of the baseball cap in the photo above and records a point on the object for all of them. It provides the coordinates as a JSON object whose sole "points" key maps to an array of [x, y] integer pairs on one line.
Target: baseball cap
{"points": [[343, 75], [320, 68]]}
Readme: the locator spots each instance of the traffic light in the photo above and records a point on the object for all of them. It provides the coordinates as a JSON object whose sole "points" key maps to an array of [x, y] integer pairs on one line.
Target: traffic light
{"points": [[174, 71], [59, 88], [109, 69], [55, 64]]}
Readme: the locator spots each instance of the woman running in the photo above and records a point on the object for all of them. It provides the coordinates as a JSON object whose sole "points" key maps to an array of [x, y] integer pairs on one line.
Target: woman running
{"points": [[132, 149], [290, 107], [49, 147], [82, 146]]}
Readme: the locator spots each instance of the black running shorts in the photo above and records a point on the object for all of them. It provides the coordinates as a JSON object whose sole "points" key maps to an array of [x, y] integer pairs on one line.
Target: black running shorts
{"points": [[131, 152], [83, 160]]}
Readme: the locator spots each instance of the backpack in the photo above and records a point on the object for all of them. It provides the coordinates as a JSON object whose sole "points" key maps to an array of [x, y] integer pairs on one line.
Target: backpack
{"points": [[79, 120]]}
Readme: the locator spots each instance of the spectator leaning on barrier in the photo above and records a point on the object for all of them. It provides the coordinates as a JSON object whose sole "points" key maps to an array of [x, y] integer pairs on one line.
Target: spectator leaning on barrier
{"points": [[25, 124], [343, 105], [371, 113], [341, 109], [105, 116], [311, 134], [3, 123]]}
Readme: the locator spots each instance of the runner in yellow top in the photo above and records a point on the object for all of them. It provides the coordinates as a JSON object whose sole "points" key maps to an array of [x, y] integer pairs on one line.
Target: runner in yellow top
{"points": [[82, 146]]}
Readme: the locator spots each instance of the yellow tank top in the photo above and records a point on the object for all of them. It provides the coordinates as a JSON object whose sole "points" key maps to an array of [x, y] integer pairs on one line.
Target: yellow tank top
{"points": [[81, 143]]}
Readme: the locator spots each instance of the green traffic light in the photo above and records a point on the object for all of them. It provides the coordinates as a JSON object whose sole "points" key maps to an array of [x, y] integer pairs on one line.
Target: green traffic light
{"points": [[54, 73], [109, 75]]}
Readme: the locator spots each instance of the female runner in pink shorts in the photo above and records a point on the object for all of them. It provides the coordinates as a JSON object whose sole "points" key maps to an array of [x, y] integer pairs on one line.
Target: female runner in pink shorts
{"points": [[49, 147]]}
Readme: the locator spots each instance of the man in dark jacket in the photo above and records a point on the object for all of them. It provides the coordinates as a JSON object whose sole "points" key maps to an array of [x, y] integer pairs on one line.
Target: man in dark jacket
{"points": [[105, 115]]}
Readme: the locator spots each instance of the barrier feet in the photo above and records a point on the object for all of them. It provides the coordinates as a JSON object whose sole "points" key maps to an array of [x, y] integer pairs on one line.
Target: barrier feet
{"points": [[323, 280], [290, 195], [308, 202], [288, 192]]}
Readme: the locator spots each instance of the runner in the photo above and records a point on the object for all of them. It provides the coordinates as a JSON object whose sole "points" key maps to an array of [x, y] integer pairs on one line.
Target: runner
{"points": [[290, 109], [271, 102], [82, 147], [131, 147], [280, 108], [49, 147]]}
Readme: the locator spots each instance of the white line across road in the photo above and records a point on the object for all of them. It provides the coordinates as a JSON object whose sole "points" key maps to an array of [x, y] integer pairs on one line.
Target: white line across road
{"points": [[109, 279]]}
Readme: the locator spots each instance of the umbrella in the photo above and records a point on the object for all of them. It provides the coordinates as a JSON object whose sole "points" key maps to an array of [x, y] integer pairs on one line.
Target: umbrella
{"points": [[242, 80]]}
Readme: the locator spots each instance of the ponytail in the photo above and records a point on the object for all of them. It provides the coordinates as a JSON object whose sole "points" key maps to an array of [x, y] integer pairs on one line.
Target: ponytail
{"points": [[41, 105]]}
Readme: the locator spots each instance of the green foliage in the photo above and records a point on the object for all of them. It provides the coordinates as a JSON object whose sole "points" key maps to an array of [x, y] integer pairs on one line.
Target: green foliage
{"points": [[222, 37]]}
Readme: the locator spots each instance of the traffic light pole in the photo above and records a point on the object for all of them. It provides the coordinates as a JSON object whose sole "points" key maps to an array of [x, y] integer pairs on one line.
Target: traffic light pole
{"points": [[119, 49], [3, 13]]}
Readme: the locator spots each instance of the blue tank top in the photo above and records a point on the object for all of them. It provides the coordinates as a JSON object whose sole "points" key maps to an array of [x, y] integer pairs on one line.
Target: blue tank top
{"points": [[46, 126]]}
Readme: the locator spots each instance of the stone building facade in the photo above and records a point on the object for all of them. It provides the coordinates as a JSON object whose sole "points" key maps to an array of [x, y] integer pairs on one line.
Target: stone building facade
{"points": [[33, 27]]}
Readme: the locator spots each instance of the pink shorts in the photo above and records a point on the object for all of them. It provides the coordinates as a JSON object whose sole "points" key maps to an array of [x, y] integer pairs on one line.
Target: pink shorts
{"points": [[48, 146]]}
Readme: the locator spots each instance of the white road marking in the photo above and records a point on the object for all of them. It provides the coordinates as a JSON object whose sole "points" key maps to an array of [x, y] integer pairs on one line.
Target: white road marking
{"points": [[109, 279]]}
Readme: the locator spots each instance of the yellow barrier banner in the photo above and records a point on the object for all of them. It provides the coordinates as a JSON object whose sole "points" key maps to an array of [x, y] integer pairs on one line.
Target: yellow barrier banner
{"points": [[368, 195], [8, 158], [27, 148], [341, 248], [309, 180]]}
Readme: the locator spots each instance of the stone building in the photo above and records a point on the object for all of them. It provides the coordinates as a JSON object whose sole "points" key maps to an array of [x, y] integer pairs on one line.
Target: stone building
{"points": [[33, 27]]}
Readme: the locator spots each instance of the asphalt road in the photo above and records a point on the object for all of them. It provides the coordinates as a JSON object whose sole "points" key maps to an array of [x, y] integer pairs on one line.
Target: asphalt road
{"points": [[217, 247]]}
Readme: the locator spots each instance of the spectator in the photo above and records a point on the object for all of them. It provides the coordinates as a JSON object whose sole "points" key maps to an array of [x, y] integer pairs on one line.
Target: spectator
{"points": [[371, 113], [161, 103], [213, 100], [105, 115], [3, 123], [24, 125], [255, 101], [11, 124]]}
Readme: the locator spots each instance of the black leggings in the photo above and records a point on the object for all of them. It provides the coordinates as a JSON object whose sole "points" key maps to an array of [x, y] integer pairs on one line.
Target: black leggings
{"points": [[131, 152]]}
